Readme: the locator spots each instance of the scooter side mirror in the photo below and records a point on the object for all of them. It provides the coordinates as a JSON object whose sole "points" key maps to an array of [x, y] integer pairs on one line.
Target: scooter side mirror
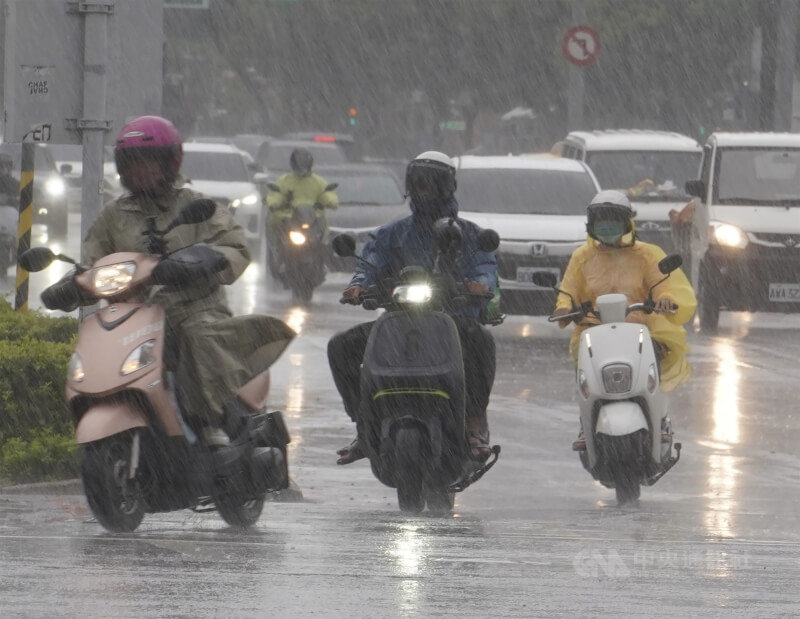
{"points": [[195, 212], [670, 263], [344, 246], [447, 233], [488, 240], [36, 259]]}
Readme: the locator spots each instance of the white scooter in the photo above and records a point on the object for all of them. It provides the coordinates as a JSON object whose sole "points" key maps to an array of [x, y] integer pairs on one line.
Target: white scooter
{"points": [[628, 435]]}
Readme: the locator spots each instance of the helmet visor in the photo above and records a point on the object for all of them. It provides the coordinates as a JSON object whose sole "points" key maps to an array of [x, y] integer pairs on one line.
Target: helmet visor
{"points": [[424, 181]]}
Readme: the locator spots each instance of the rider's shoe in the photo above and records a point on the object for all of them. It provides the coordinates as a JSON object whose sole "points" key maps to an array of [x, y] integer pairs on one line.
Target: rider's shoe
{"points": [[214, 437], [478, 438], [580, 444], [351, 453]]}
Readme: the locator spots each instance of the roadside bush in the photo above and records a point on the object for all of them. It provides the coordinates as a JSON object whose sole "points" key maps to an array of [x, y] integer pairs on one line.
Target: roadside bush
{"points": [[36, 431], [44, 456]]}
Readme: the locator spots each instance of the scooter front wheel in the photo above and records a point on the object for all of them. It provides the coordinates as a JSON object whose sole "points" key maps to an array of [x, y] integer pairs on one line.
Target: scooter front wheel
{"points": [[115, 500], [408, 445]]}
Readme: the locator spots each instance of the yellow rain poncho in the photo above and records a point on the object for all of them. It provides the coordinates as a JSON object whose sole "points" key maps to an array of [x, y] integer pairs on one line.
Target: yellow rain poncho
{"points": [[595, 269]]}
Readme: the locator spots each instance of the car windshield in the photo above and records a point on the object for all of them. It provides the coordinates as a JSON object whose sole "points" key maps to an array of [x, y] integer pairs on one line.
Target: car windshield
{"points": [[539, 192], [758, 176], [276, 156], [66, 152], [210, 166], [365, 189], [629, 170]]}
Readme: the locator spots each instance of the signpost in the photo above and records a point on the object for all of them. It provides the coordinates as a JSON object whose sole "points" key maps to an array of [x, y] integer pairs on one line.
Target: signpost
{"points": [[580, 45], [74, 72]]}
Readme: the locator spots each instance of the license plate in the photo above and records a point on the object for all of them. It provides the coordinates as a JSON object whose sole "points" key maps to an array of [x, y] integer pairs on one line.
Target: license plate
{"points": [[784, 293], [525, 274]]}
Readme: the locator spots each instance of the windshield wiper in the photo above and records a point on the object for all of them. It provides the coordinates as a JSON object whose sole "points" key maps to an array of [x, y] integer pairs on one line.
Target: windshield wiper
{"points": [[759, 202]]}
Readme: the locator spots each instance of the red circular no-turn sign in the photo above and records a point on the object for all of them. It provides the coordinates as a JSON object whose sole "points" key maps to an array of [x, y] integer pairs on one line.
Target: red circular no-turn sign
{"points": [[580, 45]]}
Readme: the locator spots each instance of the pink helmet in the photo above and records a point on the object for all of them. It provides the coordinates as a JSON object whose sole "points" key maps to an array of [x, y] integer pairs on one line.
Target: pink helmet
{"points": [[153, 137]]}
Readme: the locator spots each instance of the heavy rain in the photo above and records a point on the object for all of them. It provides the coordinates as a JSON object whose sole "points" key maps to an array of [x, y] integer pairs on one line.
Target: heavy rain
{"points": [[573, 223]]}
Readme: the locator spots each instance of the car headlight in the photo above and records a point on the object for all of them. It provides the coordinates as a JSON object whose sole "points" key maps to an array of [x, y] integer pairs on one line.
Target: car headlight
{"points": [[114, 278], [617, 378], [55, 186], [142, 356], [249, 200], [75, 369], [297, 238], [412, 293], [728, 235]]}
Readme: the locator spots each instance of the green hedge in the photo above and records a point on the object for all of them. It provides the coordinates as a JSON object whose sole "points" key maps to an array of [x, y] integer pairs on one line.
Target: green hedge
{"points": [[36, 431]]}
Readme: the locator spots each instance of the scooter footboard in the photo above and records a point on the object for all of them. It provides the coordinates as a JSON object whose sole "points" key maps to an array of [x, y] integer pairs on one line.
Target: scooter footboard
{"points": [[620, 418]]}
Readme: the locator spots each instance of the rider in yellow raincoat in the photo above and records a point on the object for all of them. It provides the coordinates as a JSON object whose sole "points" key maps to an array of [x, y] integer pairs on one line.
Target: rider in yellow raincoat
{"points": [[613, 261]]}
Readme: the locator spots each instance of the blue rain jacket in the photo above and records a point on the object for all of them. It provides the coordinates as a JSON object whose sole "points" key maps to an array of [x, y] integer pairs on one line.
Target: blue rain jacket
{"points": [[409, 242]]}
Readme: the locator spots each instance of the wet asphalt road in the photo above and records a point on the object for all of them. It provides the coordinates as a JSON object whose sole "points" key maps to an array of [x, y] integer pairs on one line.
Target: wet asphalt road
{"points": [[717, 536]]}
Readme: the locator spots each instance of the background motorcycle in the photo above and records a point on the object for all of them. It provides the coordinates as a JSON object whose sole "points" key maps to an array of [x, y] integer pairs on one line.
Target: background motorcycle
{"points": [[412, 417], [139, 455], [628, 436], [301, 251]]}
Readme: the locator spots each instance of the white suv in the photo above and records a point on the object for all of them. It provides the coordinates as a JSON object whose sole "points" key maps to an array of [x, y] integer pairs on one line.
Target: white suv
{"points": [[626, 159], [746, 226], [537, 204], [221, 172]]}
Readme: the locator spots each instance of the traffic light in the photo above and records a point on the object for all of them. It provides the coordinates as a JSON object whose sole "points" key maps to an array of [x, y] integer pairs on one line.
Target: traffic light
{"points": [[352, 113]]}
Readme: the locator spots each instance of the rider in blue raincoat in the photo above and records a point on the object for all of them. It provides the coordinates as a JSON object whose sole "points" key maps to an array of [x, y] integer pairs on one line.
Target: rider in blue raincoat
{"points": [[431, 184]]}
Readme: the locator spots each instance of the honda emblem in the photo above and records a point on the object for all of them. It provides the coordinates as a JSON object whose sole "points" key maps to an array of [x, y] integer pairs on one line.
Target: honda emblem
{"points": [[539, 249]]}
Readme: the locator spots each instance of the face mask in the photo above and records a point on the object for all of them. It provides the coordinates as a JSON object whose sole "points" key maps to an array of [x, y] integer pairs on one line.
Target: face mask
{"points": [[609, 232]]}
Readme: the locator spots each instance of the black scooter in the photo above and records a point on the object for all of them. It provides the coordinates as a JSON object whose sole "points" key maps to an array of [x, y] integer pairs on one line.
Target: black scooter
{"points": [[412, 417]]}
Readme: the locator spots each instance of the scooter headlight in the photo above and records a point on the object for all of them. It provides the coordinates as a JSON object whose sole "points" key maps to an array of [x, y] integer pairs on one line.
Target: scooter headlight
{"points": [[142, 356], [583, 384], [652, 378], [75, 369], [248, 200], [412, 293], [617, 378], [297, 238], [114, 278]]}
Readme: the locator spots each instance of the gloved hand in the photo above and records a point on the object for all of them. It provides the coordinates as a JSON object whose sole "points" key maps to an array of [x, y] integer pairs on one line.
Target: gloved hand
{"points": [[352, 295]]}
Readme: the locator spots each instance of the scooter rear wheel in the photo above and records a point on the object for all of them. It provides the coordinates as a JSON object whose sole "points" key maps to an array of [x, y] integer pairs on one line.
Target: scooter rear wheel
{"points": [[115, 500], [238, 512], [440, 500]]}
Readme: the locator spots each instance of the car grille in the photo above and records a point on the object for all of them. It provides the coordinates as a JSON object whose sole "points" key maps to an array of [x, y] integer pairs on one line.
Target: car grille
{"points": [[507, 263], [776, 239]]}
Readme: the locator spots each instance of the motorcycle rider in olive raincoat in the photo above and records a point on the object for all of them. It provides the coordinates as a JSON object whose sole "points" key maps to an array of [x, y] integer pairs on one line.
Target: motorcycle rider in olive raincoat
{"points": [[216, 352]]}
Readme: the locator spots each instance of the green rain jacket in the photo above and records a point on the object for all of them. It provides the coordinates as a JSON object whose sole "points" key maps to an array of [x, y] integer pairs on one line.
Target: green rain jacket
{"points": [[305, 190]]}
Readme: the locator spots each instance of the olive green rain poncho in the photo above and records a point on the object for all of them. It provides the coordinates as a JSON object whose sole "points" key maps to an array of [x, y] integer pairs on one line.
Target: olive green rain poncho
{"points": [[596, 269], [218, 353]]}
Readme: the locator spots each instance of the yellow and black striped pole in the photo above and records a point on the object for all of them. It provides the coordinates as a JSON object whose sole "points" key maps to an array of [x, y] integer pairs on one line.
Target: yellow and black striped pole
{"points": [[25, 222]]}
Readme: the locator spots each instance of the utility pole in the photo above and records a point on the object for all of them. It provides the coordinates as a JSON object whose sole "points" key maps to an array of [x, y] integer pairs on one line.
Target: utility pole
{"points": [[575, 89], [786, 27]]}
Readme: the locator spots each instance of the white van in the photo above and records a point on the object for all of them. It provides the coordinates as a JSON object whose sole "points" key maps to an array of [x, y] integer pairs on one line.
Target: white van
{"points": [[652, 167], [748, 224]]}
